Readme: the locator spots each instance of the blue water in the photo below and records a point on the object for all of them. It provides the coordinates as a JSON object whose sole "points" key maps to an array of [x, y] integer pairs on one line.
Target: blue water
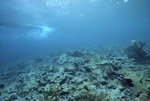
{"points": [[29, 27]]}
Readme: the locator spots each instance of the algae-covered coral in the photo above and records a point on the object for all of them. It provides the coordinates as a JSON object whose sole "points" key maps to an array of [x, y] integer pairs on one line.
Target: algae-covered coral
{"points": [[138, 83]]}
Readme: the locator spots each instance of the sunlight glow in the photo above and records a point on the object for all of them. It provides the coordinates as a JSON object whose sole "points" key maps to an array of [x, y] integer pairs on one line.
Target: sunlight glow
{"points": [[42, 33]]}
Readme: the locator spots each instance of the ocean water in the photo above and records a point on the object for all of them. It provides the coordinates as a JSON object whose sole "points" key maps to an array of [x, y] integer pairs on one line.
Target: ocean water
{"points": [[38, 25], [29, 28]]}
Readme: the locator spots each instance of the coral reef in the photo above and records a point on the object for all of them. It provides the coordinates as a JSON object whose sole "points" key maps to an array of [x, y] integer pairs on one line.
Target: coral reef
{"points": [[77, 75], [136, 51]]}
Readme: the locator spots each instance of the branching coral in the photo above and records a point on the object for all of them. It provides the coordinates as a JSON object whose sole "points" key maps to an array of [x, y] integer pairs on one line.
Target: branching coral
{"points": [[136, 51]]}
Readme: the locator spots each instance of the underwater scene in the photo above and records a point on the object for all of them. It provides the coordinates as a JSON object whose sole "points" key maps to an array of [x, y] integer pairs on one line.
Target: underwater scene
{"points": [[74, 50]]}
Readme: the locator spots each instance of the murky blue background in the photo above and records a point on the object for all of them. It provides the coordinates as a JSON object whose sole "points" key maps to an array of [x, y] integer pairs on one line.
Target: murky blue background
{"points": [[29, 27]]}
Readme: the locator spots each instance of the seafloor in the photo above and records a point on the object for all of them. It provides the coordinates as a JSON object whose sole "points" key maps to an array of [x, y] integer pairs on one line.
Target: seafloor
{"points": [[93, 74]]}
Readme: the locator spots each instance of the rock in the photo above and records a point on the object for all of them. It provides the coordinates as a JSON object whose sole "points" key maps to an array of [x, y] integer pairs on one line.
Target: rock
{"points": [[144, 97], [148, 87], [2, 85], [47, 88], [121, 88], [62, 59], [64, 92], [78, 63], [105, 75], [55, 89], [104, 62], [12, 98], [103, 96], [77, 80], [117, 95], [38, 59], [70, 69], [79, 94], [40, 90], [41, 82], [147, 79], [51, 98], [113, 84], [75, 54], [84, 85], [91, 95], [148, 96], [62, 81], [87, 68], [103, 82]]}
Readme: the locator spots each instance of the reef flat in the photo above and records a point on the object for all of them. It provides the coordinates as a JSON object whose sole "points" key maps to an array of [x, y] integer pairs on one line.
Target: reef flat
{"points": [[94, 74]]}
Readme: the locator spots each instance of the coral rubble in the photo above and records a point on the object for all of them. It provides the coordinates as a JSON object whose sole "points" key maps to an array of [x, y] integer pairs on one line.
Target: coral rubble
{"points": [[77, 75]]}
